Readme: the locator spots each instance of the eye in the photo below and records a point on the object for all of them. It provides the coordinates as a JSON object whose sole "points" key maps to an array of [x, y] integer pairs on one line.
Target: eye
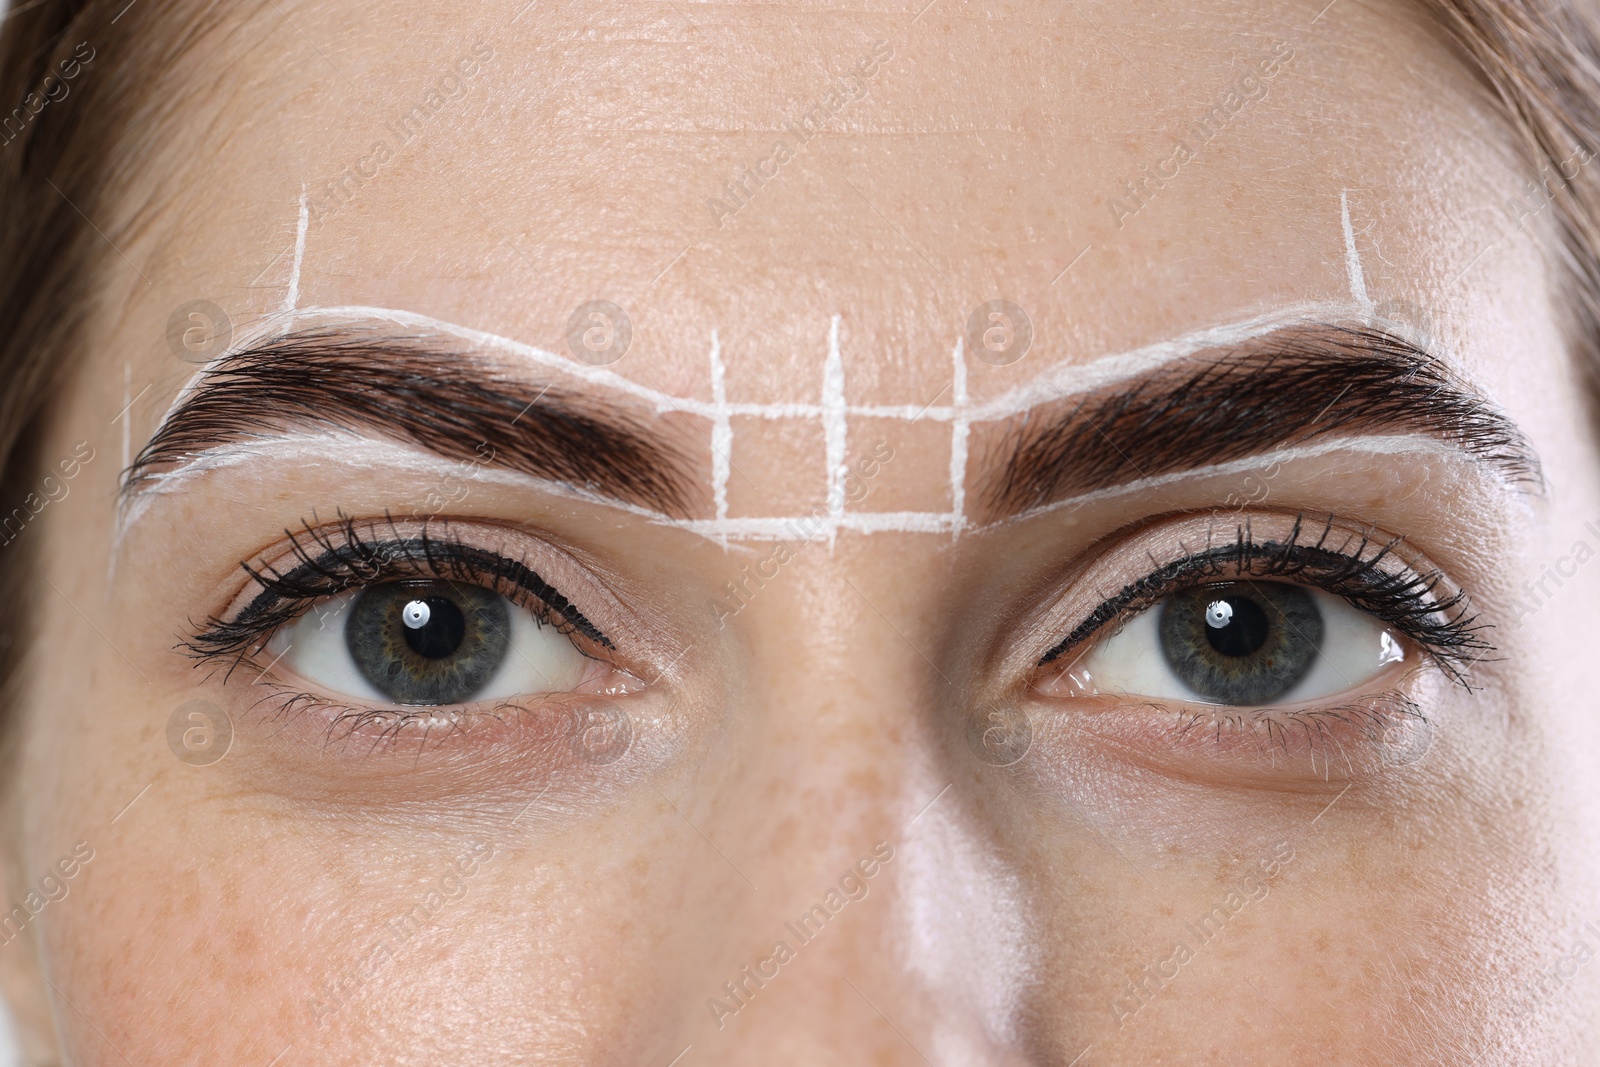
{"points": [[1241, 643], [428, 642]]}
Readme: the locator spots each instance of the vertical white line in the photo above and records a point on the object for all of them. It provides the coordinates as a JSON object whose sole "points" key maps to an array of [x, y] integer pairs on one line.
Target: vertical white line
{"points": [[292, 299], [1352, 258], [721, 433], [958, 443], [833, 429]]}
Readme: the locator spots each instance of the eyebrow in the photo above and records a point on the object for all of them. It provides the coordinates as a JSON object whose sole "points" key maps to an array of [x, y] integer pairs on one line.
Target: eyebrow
{"points": [[420, 391], [1282, 390]]}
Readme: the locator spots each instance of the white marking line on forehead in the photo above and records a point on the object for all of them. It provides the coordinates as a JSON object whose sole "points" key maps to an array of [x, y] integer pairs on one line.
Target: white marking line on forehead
{"points": [[958, 441], [292, 298], [834, 419], [1057, 383], [1352, 259], [721, 432]]}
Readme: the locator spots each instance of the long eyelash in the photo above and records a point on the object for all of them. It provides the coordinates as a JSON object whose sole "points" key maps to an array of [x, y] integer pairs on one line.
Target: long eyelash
{"points": [[329, 561], [1405, 599]]}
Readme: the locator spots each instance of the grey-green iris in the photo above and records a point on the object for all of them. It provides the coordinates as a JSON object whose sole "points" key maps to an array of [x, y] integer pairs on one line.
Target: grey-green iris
{"points": [[428, 642], [1241, 643]]}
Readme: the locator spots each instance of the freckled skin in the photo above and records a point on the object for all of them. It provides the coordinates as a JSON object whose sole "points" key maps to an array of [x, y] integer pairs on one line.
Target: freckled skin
{"points": [[267, 904]]}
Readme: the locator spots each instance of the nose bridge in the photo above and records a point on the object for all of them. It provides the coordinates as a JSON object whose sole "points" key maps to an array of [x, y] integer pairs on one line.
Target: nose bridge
{"points": [[884, 931]]}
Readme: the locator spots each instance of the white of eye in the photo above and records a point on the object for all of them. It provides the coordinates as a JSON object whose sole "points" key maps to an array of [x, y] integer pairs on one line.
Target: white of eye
{"points": [[1355, 648], [539, 659]]}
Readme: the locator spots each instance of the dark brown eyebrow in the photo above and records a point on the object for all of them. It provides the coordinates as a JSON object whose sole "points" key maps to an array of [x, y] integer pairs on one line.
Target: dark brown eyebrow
{"points": [[417, 390], [1284, 389]]}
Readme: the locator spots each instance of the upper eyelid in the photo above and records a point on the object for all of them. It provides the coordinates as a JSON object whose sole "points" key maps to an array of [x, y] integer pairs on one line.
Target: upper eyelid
{"points": [[1456, 642], [519, 574], [328, 549]]}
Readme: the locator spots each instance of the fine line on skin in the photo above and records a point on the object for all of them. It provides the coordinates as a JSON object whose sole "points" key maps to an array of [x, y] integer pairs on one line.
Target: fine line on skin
{"points": [[1064, 380], [345, 450]]}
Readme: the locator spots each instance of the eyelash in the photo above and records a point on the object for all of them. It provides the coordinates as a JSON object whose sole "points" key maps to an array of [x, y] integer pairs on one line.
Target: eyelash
{"points": [[335, 560], [1403, 598]]}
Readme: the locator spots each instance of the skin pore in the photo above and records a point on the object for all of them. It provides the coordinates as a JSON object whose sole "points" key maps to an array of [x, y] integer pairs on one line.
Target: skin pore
{"points": [[1014, 864]]}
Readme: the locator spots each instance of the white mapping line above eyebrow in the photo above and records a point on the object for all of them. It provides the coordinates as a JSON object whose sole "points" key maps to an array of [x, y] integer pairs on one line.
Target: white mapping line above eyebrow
{"points": [[291, 299], [958, 439], [721, 431], [1059, 382], [1065, 380], [834, 426], [1352, 259]]}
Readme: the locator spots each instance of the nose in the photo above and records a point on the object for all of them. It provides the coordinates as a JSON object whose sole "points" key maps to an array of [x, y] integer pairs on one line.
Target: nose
{"points": [[874, 923]]}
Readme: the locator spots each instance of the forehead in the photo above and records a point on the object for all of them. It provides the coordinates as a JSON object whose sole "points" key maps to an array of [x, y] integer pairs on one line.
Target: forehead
{"points": [[758, 173]]}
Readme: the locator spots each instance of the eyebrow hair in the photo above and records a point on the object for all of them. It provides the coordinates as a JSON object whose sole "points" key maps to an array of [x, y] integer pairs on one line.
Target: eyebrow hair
{"points": [[1277, 391], [414, 389]]}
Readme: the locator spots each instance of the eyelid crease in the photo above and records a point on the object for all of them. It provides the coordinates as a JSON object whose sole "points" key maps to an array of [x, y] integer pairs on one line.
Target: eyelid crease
{"points": [[1404, 598]]}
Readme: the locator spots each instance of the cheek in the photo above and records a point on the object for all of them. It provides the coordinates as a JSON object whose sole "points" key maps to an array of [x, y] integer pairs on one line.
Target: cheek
{"points": [[346, 943], [156, 912]]}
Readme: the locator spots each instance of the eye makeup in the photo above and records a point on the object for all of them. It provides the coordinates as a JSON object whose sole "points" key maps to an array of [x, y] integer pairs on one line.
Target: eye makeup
{"points": [[452, 623], [1351, 565], [327, 562], [1272, 651]]}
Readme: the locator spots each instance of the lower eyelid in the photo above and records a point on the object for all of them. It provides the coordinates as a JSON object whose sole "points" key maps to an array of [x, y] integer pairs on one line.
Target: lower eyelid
{"points": [[1305, 748]]}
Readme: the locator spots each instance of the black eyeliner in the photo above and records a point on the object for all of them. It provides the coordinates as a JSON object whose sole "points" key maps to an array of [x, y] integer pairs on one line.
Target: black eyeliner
{"points": [[1404, 599], [345, 557]]}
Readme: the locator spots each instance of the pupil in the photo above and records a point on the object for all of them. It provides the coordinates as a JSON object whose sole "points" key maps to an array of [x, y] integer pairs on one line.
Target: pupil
{"points": [[442, 632], [1245, 630]]}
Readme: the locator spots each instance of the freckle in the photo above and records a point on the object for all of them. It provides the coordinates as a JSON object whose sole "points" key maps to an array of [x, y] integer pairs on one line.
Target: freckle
{"points": [[244, 942]]}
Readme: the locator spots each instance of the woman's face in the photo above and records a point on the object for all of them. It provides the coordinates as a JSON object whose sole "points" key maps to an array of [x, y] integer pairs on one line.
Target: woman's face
{"points": [[871, 536]]}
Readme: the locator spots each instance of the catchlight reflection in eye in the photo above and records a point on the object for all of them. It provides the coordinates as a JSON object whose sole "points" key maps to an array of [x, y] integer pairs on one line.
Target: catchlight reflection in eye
{"points": [[1245, 643]]}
